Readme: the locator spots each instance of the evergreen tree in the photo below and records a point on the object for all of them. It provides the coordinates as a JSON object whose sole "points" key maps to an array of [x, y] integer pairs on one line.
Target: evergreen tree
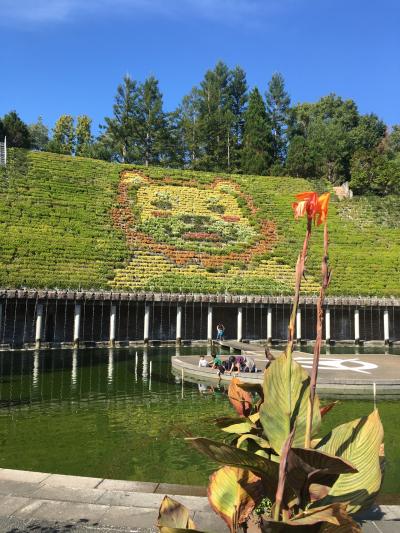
{"points": [[278, 102], [152, 130], [39, 135], [215, 118], [238, 99], [300, 160], [63, 141], [16, 131], [122, 128], [84, 138], [256, 156], [173, 148]]}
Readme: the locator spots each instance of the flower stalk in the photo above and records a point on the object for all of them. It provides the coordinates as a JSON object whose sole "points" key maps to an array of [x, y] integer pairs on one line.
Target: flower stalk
{"points": [[325, 275]]}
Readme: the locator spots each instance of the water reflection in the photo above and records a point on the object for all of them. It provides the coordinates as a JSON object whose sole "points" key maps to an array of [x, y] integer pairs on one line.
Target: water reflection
{"points": [[110, 367], [74, 372], [35, 374]]}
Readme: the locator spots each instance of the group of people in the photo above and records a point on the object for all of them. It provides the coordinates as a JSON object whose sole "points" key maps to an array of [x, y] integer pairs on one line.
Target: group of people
{"points": [[233, 365]]}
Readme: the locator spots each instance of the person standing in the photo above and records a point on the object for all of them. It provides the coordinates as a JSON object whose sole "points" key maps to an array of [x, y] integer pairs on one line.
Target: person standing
{"points": [[220, 332]]}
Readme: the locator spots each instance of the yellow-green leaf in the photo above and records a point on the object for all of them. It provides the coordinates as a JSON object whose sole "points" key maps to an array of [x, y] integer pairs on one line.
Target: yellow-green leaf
{"points": [[359, 442], [233, 493], [286, 397], [173, 516]]}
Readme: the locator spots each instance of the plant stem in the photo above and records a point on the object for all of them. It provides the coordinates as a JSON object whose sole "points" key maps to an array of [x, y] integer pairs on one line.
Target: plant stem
{"points": [[282, 474], [325, 279], [300, 265]]}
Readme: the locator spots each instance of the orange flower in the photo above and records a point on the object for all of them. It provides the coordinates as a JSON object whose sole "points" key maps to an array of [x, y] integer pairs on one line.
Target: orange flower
{"points": [[315, 206], [307, 204], [321, 210]]}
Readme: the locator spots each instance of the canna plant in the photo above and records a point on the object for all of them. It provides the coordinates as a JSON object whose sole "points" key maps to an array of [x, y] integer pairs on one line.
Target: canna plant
{"points": [[273, 455]]}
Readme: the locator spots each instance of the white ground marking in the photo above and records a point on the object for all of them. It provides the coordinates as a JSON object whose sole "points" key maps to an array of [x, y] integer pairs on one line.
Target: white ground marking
{"points": [[354, 365]]}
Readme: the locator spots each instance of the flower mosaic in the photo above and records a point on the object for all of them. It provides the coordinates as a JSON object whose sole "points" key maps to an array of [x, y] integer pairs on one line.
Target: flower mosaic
{"points": [[190, 236]]}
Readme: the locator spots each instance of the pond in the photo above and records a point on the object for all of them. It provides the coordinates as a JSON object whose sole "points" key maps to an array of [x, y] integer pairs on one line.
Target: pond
{"points": [[122, 414]]}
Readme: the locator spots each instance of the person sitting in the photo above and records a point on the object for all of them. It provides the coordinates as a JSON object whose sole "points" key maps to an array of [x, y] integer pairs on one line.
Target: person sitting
{"points": [[202, 361]]}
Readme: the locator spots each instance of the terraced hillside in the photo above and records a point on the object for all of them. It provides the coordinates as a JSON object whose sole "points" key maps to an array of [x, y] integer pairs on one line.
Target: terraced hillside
{"points": [[78, 223]]}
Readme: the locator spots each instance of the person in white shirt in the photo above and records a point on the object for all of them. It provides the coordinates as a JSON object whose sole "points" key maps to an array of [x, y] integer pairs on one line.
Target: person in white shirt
{"points": [[202, 361]]}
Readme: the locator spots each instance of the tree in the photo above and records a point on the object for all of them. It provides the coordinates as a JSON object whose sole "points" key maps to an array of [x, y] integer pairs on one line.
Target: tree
{"points": [[63, 141], [215, 119], [122, 128], [237, 88], [39, 134], [333, 130], [256, 155], [152, 131], [84, 138], [16, 131], [278, 102], [188, 115], [394, 140], [368, 133], [300, 161], [373, 171]]}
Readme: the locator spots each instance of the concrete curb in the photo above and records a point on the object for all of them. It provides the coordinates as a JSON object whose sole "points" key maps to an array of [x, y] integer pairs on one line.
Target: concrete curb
{"points": [[56, 502]]}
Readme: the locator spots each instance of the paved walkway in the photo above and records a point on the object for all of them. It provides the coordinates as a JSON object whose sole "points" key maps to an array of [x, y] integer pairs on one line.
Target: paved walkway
{"points": [[53, 503]]}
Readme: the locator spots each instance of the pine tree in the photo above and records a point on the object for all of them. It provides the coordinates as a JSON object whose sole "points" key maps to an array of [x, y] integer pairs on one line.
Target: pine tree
{"points": [[215, 118], [122, 128], [63, 141], [238, 100], [84, 139], [256, 156], [152, 131], [15, 130], [278, 102]]}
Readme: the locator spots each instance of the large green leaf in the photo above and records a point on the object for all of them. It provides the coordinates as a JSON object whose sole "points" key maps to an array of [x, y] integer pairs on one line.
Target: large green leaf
{"points": [[233, 493], [286, 397], [230, 455], [359, 442], [231, 425]]}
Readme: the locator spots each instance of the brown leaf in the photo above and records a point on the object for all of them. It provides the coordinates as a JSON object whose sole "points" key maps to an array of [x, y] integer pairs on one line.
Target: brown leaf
{"points": [[241, 400]]}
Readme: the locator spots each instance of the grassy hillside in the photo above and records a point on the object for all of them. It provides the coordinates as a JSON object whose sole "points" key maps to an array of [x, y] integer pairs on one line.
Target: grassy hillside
{"points": [[78, 223]]}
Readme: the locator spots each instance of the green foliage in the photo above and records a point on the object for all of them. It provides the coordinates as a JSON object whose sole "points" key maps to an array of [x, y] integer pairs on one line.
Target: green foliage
{"points": [[257, 140], [56, 228], [16, 131], [284, 485], [84, 139], [56, 210], [325, 135], [278, 102], [63, 140], [39, 135]]}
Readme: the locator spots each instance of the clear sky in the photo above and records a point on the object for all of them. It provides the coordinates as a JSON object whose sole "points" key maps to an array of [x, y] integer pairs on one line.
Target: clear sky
{"points": [[68, 56]]}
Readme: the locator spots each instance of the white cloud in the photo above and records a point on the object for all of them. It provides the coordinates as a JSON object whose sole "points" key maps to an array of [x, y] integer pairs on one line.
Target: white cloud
{"points": [[42, 11]]}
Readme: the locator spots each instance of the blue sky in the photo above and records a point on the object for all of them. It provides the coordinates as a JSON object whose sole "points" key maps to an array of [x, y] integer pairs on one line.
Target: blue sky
{"points": [[68, 56]]}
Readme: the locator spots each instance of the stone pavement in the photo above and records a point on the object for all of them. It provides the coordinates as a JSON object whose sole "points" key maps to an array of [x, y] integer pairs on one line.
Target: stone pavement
{"points": [[52, 503]]}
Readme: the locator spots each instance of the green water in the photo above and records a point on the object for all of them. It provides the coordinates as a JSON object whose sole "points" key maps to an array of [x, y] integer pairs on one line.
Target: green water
{"points": [[100, 413]]}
